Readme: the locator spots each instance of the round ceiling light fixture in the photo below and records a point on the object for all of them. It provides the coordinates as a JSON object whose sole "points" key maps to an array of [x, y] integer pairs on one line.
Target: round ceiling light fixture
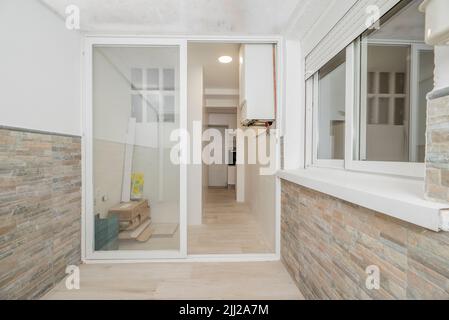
{"points": [[225, 59]]}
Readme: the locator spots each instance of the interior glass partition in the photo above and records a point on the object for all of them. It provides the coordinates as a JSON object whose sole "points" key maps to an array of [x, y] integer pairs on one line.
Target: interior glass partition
{"points": [[135, 184]]}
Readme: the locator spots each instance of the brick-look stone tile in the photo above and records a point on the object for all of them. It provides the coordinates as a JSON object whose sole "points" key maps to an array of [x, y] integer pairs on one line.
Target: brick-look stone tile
{"points": [[445, 178], [327, 244], [437, 150], [40, 211]]}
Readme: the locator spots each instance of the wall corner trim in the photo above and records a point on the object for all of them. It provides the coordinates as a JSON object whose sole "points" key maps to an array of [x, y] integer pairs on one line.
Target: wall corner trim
{"points": [[444, 214], [39, 132], [438, 93]]}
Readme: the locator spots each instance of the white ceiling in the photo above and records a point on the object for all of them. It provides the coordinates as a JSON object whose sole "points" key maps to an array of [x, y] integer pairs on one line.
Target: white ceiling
{"points": [[216, 74], [183, 16], [307, 15]]}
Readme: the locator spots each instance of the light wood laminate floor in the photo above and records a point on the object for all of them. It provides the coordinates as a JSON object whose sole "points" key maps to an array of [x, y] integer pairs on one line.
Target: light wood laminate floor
{"points": [[228, 227], [172, 281]]}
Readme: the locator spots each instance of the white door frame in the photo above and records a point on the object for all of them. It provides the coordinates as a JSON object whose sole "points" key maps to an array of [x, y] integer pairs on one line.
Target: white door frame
{"points": [[87, 253], [225, 157]]}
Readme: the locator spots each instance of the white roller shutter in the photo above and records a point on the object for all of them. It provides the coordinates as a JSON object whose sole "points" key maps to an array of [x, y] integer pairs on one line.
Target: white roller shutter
{"points": [[352, 25]]}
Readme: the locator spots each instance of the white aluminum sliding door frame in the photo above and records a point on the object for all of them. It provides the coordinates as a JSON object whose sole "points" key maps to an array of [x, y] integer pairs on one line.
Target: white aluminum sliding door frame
{"points": [[88, 229], [356, 115], [88, 254], [279, 42]]}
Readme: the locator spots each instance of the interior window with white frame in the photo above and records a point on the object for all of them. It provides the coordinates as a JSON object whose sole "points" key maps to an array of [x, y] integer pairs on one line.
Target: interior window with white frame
{"points": [[153, 95], [395, 74], [369, 102], [329, 111]]}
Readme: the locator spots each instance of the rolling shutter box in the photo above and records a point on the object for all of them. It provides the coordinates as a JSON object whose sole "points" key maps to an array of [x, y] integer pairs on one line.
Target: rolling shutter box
{"points": [[350, 26]]}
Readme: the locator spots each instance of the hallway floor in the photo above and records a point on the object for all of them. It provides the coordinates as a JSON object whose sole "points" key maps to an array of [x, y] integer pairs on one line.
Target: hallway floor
{"points": [[228, 227], [173, 281]]}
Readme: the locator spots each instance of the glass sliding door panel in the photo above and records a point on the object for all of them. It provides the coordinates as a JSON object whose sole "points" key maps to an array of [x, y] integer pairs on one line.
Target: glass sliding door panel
{"points": [[386, 124], [136, 187], [396, 73], [331, 109]]}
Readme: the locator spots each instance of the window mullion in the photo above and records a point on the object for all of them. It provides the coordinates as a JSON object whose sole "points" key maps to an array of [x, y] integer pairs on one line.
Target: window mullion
{"points": [[349, 105], [315, 123]]}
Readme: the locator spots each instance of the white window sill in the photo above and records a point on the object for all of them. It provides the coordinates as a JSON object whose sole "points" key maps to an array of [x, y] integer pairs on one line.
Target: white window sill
{"points": [[397, 197]]}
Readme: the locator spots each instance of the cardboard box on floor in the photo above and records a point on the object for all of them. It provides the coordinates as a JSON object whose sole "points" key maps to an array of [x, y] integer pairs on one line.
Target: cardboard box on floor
{"points": [[131, 214]]}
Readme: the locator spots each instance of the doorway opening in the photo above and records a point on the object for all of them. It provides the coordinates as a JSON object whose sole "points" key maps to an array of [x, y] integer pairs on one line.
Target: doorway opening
{"points": [[235, 210], [143, 205]]}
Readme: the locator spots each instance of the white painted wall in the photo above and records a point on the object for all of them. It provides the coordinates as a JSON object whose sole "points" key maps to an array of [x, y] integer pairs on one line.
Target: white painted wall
{"points": [[293, 118], [221, 119], [195, 113], [240, 168], [441, 67], [40, 69], [218, 173], [215, 172], [205, 172], [260, 195]]}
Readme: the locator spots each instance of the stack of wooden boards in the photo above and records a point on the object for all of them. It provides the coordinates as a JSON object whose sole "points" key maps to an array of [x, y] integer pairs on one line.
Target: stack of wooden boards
{"points": [[135, 221]]}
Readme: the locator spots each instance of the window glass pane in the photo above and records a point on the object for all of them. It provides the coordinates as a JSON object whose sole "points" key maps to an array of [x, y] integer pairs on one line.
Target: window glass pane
{"points": [[383, 111], [152, 103], [153, 79], [392, 122], [169, 79], [371, 115], [136, 79], [331, 108], [400, 82], [371, 82], [389, 109], [136, 107], [384, 82], [136, 185], [169, 108], [399, 111]]}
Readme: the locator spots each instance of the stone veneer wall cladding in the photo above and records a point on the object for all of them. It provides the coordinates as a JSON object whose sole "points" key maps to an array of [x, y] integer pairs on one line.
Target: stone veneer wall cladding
{"points": [[327, 244], [437, 154], [40, 211]]}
